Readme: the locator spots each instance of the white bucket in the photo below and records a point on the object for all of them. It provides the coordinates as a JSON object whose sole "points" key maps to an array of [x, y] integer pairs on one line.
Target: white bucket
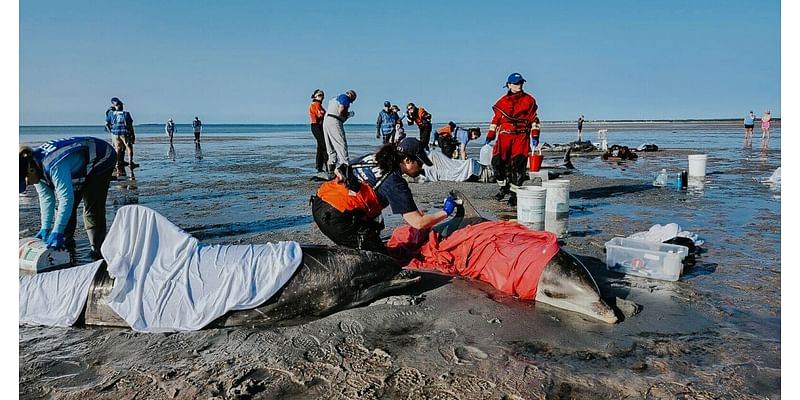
{"points": [[557, 195], [556, 223], [34, 256], [486, 155], [530, 206], [697, 165]]}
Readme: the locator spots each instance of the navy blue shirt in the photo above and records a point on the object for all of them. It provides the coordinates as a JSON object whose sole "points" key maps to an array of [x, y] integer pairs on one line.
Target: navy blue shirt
{"points": [[393, 191]]}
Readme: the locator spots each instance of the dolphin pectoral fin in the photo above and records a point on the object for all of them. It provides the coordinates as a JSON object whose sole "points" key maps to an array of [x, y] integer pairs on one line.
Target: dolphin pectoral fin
{"points": [[380, 289]]}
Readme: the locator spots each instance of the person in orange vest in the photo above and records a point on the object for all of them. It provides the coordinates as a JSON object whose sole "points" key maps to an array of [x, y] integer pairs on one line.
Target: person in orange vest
{"points": [[421, 117], [348, 208], [515, 125]]}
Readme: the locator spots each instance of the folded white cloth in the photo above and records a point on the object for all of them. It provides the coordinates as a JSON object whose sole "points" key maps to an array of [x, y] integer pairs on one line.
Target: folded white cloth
{"points": [[446, 169], [166, 280], [55, 298], [659, 233]]}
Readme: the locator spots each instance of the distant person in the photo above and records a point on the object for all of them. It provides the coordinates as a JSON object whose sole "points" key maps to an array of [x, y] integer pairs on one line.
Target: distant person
{"points": [[198, 127], [580, 129], [333, 127], [348, 208], [421, 117], [170, 129], [64, 172], [120, 123], [400, 132], [516, 126], [387, 123], [765, 121], [317, 114], [453, 139], [749, 123], [464, 136]]}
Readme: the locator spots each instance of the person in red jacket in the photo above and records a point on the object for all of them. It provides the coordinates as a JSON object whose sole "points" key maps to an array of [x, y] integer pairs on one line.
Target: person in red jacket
{"points": [[516, 127]]}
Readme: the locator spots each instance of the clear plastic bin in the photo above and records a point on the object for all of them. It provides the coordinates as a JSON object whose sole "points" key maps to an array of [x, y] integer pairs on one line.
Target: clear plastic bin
{"points": [[646, 259]]}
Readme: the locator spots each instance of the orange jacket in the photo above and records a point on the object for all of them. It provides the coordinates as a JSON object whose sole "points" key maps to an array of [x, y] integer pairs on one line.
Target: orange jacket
{"points": [[316, 112], [336, 193]]}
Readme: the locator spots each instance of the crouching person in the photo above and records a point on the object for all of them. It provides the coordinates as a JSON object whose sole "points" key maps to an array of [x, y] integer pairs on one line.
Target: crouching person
{"points": [[64, 171], [348, 208]]}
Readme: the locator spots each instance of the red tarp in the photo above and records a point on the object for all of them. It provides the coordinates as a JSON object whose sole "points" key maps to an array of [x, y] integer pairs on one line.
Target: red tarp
{"points": [[504, 254]]}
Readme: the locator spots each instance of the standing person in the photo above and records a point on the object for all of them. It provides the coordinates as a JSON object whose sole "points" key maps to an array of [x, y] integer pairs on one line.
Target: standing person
{"points": [[198, 127], [333, 127], [120, 124], [387, 121], [749, 123], [170, 129], [765, 120], [422, 118], [317, 112], [400, 133], [516, 126], [580, 128], [348, 208], [64, 171]]}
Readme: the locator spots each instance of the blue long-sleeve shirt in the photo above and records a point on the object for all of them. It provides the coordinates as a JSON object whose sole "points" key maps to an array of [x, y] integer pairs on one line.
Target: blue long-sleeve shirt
{"points": [[61, 193]]}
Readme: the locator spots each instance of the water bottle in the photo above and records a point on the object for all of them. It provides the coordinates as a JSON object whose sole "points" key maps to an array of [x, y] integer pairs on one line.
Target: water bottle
{"points": [[661, 179], [684, 179]]}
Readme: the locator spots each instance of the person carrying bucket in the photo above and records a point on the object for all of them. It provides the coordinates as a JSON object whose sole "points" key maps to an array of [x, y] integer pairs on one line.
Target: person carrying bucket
{"points": [[64, 171], [348, 208], [515, 125]]}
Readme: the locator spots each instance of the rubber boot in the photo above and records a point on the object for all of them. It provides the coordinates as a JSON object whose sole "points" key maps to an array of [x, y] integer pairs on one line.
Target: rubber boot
{"points": [[512, 199], [96, 238]]}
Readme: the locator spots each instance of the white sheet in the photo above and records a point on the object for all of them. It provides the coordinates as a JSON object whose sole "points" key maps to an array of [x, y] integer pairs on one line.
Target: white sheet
{"points": [[659, 233], [166, 280], [446, 169], [55, 298]]}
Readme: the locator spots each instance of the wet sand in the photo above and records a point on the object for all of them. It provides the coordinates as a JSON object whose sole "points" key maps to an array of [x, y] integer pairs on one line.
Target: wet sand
{"points": [[714, 333]]}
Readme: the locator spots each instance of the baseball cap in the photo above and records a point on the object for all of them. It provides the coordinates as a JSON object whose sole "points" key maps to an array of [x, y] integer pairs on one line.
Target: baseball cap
{"points": [[413, 147], [116, 100], [387, 104], [515, 78]]}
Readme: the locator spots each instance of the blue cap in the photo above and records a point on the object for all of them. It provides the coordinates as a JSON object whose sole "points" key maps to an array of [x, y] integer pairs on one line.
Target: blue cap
{"points": [[515, 78], [116, 100], [387, 103], [413, 147]]}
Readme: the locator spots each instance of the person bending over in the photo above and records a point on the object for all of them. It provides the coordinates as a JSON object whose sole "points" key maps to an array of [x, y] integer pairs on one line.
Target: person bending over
{"points": [[348, 208]]}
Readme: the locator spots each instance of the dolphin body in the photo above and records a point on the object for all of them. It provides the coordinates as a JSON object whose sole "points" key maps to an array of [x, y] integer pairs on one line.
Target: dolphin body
{"points": [[331, 279], [565, 282]]}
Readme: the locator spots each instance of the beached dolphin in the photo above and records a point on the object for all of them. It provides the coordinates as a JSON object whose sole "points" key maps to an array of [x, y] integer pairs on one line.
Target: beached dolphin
{"points": [[564, 283], [329, 279]]}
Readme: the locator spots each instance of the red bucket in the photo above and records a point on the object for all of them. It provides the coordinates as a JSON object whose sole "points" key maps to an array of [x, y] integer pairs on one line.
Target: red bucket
{"points": [[535, 162]]}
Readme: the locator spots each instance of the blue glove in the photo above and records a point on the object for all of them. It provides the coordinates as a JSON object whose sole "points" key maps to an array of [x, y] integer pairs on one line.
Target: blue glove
{"points": [[56, 240], [449, 205], [42, 234]]}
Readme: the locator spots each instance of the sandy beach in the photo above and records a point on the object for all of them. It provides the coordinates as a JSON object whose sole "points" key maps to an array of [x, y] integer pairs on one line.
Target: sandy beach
{"points": [[713, 334]]}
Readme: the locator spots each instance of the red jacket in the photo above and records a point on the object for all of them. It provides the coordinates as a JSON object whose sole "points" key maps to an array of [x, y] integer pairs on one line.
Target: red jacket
{"points": [[515, 113]]}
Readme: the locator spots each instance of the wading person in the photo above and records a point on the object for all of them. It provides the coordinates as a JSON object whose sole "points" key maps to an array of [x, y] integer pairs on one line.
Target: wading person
{"points": [[64, 172], [749, 122], [421, 117], [335, 140], [170, 129], [348, 208], [120, 123], [580, 128], [316, 112], [515, 125], [198, 127]]}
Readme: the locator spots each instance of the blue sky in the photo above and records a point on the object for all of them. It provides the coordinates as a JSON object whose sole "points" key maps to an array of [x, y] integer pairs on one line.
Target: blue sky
{"points": [[259, 61]]}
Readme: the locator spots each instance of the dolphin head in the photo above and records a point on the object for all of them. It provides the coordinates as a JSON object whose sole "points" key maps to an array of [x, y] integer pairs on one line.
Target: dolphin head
{"points": [[566, 283]]}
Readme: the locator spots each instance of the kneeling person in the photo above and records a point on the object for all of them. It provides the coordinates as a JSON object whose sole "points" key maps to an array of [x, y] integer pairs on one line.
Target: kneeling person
{"points": [[348, 208], [64, 171]]}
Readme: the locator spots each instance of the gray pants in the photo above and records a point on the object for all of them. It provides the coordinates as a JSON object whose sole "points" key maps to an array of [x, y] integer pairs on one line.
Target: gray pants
{"points": [[335, 141]]}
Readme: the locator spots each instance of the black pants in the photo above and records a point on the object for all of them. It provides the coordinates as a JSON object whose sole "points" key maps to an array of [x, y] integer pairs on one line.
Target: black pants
{"points": [[513, 172], [425, 134], [322, 152], [347, 228], [196, 136]]}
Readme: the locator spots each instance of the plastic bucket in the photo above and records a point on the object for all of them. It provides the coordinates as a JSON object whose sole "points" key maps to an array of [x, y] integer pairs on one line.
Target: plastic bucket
{"points": [[530, 206], [557, 195], [34, 256], [486, 155], [697, 165], [556, 223], [535, 162]]}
